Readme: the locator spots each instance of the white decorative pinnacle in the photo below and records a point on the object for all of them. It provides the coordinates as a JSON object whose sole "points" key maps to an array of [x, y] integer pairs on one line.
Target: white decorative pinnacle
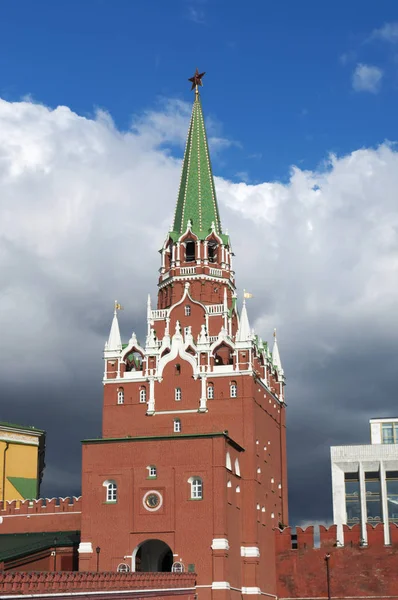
{"points": [[149, 306], [151, 339], [178, 328], [276, 359], [189, 224], [114, 340], [133, 340], [244, 333], [188, 336], [202, 337]]}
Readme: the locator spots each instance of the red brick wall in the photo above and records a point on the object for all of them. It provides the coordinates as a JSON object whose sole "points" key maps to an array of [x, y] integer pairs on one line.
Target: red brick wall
{"points": [[355, 570], [55, 514], [65, 559], [47, 583]]}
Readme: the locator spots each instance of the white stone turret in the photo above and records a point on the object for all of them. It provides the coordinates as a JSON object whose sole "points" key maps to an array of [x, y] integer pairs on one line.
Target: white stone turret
{"points": [[114, 342], [276, 359], [244, 333]]}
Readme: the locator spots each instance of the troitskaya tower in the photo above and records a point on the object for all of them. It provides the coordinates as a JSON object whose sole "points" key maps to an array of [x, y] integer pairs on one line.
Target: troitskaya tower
{"points": [[190, 472]]}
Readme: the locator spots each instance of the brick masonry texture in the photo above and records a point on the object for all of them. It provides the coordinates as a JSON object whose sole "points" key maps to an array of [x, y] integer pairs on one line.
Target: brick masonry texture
{"points": [[55, 514], [63, 582], [355, 570]]}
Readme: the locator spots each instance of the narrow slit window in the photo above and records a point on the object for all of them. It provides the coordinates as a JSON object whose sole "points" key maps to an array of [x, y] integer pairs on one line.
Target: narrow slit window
{"points": [[143, 395], [177, 426], [120, 396], [177, 394]]}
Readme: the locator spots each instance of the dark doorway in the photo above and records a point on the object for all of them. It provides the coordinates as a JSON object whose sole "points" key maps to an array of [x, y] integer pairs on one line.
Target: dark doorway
{"points": [[153, 556]]}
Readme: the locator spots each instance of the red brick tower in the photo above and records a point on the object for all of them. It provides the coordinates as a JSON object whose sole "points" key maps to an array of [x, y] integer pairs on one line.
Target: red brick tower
{"points": [[191, 470]]}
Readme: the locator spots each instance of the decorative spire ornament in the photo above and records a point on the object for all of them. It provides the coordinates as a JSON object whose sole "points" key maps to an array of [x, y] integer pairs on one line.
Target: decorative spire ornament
{"points": [[196, 81], [115, 340]]}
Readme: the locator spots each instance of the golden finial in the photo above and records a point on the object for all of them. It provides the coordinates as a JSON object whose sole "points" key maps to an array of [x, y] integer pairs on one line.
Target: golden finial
{"points": [[275, 333]]}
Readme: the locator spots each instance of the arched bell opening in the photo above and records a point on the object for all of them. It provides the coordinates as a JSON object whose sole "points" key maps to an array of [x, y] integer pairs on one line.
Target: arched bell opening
{"points": [[212, 251], [152, 556], [223, 355], [134, 361], [190, 251]]}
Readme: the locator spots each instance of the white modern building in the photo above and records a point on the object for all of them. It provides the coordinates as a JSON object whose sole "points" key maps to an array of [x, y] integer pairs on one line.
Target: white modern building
{"points": [[365, 480]]}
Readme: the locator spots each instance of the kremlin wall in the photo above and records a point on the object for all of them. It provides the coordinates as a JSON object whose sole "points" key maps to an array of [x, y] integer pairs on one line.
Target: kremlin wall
{"points": [[356, 570]]}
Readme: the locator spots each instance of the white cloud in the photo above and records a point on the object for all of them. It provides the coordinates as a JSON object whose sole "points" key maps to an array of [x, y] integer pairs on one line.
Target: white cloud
{"points": [[82, 203], [83, 211], [367, 78], [387, 33]]}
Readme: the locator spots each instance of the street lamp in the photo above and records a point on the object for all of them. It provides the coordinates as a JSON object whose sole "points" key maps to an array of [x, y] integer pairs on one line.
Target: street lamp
{"points": [[98, 550], [327, 558], [55, 553]]}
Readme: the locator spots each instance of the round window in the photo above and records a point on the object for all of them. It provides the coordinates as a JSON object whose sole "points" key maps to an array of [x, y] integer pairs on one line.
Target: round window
{"points": [[152, 500]]}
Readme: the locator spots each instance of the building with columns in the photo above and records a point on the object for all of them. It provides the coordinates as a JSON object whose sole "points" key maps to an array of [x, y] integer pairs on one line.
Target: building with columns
{"points": [[190, 471], [365, 481]]}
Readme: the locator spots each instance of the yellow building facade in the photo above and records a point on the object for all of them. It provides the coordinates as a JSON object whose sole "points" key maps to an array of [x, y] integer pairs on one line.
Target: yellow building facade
{"points": [[22, 452]]}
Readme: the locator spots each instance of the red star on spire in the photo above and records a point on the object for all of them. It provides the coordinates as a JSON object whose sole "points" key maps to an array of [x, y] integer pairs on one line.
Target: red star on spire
{"points": [[196, 79]]}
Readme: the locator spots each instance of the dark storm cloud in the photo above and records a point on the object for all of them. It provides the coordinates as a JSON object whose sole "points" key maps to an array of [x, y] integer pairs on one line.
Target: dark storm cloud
{"points": [[83, 211]]}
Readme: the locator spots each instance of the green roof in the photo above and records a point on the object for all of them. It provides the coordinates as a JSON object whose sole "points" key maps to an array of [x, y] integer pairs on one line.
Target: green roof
{"points": [[22, 427], [17, 545], [25, 486], [197, 200]]}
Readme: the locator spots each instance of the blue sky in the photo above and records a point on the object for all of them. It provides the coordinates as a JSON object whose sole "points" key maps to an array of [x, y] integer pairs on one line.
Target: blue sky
{"points": [[279, 77]]}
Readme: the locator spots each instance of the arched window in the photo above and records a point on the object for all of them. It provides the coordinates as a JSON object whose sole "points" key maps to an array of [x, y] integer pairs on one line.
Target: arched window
{"points": [[111, 490], [177, 426], [187, 311], [233, 389], [237, 467], [177, 567], [212, 251], [123, 568], [190, 251], [177, 394], [228, 463], [120, 396], [210, 391], [196, 488], [143, 394], [152, 472]]}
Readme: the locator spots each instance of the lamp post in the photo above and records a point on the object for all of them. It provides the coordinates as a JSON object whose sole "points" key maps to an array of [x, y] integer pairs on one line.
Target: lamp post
{"points": [[55, 554], [327, 558], [98, 550]]}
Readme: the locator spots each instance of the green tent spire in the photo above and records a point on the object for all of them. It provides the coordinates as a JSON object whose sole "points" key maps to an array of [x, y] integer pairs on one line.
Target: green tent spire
{"points": [[197, 200]]}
